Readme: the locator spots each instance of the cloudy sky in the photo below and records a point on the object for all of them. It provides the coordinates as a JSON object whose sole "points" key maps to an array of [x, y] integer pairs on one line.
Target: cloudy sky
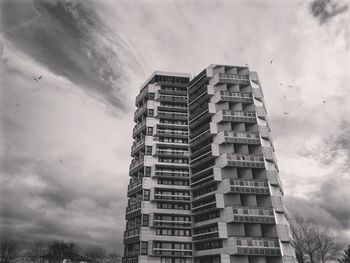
{"points": [[65, 139]]}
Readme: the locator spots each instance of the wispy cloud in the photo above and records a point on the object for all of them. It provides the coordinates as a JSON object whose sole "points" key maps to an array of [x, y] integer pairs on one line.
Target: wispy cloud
{"points": [[69, 39]]}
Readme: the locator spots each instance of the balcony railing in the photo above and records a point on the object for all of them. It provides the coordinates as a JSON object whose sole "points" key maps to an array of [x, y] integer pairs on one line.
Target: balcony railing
{"points": [[131, 233], [171, 115], [243, 97], [133, 208], [137, 145], [258, 246], [135, 163], [171, 98], [171, 132], [241, 160], [171, 223], [255, 215], [249, 186], [139, 127], [241, 137], [230, 78], [239, 116], [135, 184], [171, 197], [171, 152], [140, 110], [165, 173]]}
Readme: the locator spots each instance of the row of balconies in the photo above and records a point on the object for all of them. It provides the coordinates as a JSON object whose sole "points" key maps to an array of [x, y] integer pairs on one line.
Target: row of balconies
{"points": [[171, 133], [170, 152], [170, 98], [171, 115], [241, 160], [237, 137]]}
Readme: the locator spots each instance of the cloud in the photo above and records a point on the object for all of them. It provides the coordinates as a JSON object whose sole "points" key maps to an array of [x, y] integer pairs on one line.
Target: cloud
{"points": [[324, 10], [70, 40]]}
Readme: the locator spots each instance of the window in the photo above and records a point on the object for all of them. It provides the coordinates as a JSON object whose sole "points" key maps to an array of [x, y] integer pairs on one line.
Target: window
{"points": [[151, 95], [146, 195], [149, 130], [148, 150], [147, 171], [145, 220], [150, 113], [144, 247]]}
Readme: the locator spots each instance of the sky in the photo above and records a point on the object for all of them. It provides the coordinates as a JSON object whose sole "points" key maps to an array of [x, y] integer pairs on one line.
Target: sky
{"points": [[70, 71]]}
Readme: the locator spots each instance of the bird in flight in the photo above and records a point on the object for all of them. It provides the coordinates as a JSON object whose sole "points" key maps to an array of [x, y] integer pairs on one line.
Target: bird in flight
{"points": [[17, 105], [290, 86], [61, 162], [281, 84], [271, 61], [324, 101], [285, 113], [38, 78]]}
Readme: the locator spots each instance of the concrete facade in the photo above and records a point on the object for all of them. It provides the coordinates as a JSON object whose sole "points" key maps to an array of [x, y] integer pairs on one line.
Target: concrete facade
{"points": [[204, 178]]}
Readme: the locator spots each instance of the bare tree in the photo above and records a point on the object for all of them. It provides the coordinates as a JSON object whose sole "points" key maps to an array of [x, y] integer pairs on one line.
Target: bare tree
{"points": [[96, 253], [346, 256], [313, 241], [36, 250], [115, 258], [9, 249]]}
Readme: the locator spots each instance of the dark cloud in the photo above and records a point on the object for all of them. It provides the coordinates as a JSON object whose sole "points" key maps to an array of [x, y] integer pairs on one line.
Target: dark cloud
{"points": [[70, 40], [332, 148], [324, 10], [332, 197]]}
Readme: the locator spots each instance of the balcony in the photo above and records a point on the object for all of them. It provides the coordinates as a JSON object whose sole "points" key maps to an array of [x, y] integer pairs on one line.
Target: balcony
{"points": [[268, 154], [284, 233], [141, 95], [138, 128], [171, 133], [237, 116], [135, 164], [131, 236], [278, 204], [135, 187], [171, 174], [260, 112], [170, 223], [171, 153], [141, 110], [241, 160], [241, 137], [249, 186], [257, 93], [171, 115], [241, 97], [254, 215], [222, 78], [252, 246], [264, 132], [171, 197], [133, 210], [171, 98], [136, 146], [273, 178]]}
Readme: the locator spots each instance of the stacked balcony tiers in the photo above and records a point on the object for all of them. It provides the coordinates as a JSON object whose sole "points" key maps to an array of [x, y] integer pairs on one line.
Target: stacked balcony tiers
{"points": [[204, 184]]}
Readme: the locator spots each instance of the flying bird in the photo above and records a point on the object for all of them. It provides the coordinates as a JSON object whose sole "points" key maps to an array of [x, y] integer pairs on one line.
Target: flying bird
{"points": [[285, 113], [281, 84], [285, 96], [324, 101], [38, 78], [61, 162], [17, 105], [290, 86], [271, 61]]}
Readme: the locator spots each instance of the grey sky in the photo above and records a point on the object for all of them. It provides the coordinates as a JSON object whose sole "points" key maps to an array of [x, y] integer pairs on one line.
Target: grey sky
{"points": [[65, 140]]}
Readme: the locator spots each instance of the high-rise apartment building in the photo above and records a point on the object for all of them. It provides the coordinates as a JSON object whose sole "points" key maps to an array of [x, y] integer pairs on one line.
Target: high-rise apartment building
{"points": [[204, 184]]}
